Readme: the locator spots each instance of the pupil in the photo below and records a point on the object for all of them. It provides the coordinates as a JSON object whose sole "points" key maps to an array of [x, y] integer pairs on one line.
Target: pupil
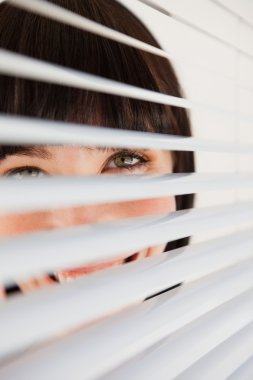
{"points": [[127, 160]]}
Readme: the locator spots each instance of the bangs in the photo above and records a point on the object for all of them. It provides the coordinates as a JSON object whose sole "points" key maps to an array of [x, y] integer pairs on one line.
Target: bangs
{"points": [[63, 45], [60, 44]]}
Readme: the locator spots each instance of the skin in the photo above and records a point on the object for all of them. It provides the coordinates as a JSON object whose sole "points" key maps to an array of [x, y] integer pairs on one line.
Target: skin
{"points": [[69, 160]]}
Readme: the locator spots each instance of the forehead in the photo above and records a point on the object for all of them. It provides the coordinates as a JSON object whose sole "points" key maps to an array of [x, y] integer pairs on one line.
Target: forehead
{"points": [[46, 151]]}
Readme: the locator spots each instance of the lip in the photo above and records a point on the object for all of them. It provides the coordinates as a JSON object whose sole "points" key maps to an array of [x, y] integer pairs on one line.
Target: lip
{"points": [[67, 275]]}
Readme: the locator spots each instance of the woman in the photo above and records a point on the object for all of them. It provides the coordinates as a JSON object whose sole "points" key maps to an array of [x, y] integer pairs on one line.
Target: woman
{"points": [[61, 44]]}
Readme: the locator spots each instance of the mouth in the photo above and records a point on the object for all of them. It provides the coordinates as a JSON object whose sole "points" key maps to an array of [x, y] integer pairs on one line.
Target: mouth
{"points": [[70, 274], [63, 276]]}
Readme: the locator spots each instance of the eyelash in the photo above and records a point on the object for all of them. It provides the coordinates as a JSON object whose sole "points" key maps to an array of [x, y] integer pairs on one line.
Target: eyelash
{"points": [[21, 168], [143, 160]]}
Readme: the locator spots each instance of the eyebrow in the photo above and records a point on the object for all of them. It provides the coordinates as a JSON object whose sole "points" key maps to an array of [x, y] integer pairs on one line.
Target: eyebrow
{"points": [[32, 151], [42, 152]]}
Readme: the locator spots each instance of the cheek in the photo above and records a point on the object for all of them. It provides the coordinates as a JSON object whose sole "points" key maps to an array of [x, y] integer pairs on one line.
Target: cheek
{"points": [[10, 225], [148, 207], [18, 224], [24, 223]]}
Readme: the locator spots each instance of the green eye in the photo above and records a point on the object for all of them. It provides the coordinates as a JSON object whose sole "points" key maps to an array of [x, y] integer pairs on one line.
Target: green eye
{"points": [[126, 160], [27, 172]]}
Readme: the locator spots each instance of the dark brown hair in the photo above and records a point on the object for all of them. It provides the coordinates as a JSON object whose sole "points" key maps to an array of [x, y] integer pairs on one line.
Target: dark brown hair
{"points": [[54, 42]]}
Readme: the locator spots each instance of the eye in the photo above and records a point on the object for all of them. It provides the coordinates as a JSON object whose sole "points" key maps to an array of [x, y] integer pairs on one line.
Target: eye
{"points": [[126, 160], [25, 172]]}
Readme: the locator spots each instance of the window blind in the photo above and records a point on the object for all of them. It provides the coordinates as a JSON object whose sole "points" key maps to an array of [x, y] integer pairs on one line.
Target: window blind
{"points": [[186, 313]]}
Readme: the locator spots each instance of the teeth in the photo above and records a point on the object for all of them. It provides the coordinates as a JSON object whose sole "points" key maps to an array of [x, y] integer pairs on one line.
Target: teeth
{"points": [[63, 278]]}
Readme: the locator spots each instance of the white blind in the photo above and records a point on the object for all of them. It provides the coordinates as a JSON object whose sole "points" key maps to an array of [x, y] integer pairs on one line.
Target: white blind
{"points": [[182, 314]]}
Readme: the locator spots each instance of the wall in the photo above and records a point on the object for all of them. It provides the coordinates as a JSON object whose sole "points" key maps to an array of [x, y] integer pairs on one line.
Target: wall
{"points": [[211, 46]]}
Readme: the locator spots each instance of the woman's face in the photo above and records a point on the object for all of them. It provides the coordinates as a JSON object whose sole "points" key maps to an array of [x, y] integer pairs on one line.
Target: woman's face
{"points": [[68, 160]]}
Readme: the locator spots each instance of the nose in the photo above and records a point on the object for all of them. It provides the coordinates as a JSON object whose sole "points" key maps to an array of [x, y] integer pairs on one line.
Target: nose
{"points": [[107, 212], [89, 214]]}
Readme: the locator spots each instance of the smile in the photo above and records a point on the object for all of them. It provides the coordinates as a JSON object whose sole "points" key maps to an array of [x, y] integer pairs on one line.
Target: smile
{"points": [[70, 274]]}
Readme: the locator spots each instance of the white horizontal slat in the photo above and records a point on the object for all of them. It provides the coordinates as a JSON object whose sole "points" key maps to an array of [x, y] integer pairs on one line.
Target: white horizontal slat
{"points": [[223, 360], [65, 16], [245, 75], [80, 245], [245, 100], [242, 9], [29, 195], [146, 324], [24, 130], [199, 14], [68, 17], [245, 37], [93, 297], [245, 372], [30, 68], [201, 86], [171, 35], [181, 350]]}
